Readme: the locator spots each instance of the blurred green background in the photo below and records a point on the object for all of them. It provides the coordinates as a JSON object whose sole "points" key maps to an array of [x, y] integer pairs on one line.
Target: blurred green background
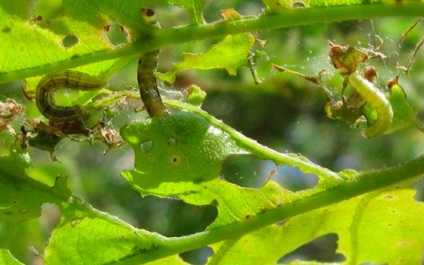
{"points": [[284, 112]]}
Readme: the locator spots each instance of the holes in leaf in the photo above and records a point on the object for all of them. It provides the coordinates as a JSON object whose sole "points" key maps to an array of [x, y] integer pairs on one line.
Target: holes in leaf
{"points": [[50, 216], [321, 249], [294, 179], [242, 170], [69, 41], [179, 16], [172, 141], [175, 160], [299, 4], [116, 34], [197, 256], [249, 171], [173, 218], [146, 146]]}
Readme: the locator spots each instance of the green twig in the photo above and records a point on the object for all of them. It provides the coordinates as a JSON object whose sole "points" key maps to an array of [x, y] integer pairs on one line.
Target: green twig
{"points": [[177, 35], [259, 150], [360, 184]]}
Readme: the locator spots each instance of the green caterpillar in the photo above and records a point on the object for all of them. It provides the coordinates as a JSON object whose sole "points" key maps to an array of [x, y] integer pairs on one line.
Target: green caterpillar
{"points": [[377, 100]]}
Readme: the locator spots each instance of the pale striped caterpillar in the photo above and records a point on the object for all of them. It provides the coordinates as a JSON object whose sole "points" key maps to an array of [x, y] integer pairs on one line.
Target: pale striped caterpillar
{"points": [[377, 100], [74, 117], [146, 80]]}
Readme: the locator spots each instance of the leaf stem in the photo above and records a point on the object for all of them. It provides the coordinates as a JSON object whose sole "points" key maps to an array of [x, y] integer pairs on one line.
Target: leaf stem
{"points": [[178, 35], [309, 200], [259, 150], [358, 185]]}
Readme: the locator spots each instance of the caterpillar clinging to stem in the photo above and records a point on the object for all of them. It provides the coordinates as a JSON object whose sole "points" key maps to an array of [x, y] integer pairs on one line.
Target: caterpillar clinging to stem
{"points": [[73, 116]]}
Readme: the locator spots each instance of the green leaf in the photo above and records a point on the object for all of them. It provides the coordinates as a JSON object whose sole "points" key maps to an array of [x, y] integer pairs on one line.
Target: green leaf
{"points": [[380, 227], [78, 31], [87, 236], [21, 196], [70, 31], [181, 156], [230, 54], [306, 166], [184, 144], [392, 217], [37, 37], [128, 12], [234, 203], [86, 20], [191, 148], [195, 96], [6, 258], [404, 114], [353, 220]]}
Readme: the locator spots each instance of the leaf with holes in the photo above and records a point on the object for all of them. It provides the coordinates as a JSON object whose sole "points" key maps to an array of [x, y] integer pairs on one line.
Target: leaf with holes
{"points": [[94, 237], [70, 31], [21, 197], [180, 156]]}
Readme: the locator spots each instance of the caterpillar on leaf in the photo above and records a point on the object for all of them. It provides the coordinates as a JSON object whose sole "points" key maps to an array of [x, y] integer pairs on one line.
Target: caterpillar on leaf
{"points": [[377, 100]]}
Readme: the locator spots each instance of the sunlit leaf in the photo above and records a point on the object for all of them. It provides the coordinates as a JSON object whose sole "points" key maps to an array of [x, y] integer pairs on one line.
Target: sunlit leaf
{"points": [[127, 14], [180, 156], [93, 237], [34, 38], [229, 54], [184, 144], [6, 258], [21, 197], [391, 216], [188, 181], [404, 114]]}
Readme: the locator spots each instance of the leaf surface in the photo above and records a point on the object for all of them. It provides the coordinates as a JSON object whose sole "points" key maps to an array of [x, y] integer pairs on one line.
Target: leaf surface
{"points": [[94, 237], [353, 220], [229, 54], [7, 258], [21, 196]]}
